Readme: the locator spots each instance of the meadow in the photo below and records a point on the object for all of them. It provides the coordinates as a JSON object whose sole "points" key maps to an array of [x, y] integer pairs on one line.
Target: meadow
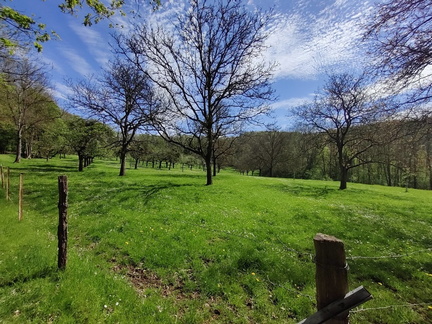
{"points": [[158, 246]]}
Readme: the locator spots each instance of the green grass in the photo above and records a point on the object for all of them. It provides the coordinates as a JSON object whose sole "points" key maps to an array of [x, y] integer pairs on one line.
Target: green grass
{"points": [[158, 246]]}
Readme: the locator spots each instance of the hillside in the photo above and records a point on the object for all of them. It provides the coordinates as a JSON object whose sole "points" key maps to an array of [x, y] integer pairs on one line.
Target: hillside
{"points": [[157, 246]]}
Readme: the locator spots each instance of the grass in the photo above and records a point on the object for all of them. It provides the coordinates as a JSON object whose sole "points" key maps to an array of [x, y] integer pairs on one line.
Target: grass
{"points": [[158, 246]]}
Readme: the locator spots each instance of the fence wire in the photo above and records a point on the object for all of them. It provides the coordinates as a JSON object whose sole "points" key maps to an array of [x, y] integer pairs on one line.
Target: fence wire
{"points": [[392, 256], [388, 307]]}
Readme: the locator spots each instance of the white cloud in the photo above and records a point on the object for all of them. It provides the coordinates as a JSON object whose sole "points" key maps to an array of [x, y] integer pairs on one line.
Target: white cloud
{"points": [[96, 43], [305, 43], [288, 104], [76, 61], [61, 91]]}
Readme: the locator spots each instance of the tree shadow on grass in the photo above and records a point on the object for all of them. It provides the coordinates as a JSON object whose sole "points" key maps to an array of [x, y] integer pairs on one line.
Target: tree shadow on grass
{"points": [[45, 272], [151, 191], [304, 191], [47, 167]]}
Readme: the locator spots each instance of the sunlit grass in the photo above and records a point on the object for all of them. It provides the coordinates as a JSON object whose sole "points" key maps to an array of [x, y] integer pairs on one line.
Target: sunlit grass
{"points": [[159, 246]]}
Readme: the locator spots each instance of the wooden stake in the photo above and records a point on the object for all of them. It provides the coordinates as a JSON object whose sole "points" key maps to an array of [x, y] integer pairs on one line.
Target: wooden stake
{"points": [[8, 184], [2, 176], [20, 196], [354, 298], [62, 227], [331, 273]]}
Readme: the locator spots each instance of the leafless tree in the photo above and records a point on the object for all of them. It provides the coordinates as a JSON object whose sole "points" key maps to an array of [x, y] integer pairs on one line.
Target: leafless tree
{"points": [[346, 112], [400, 34], [207, 64], [26, 97], [122, 97]]}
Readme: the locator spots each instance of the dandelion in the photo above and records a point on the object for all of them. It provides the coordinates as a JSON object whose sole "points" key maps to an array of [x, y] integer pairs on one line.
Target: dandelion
{"points": [[379, 283], [429, 274], [430, 307], [126, 243], [257, 279], [253, 273]]}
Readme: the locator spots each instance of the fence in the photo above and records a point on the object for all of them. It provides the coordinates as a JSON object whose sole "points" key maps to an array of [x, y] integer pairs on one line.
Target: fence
{"points": [[333, 300]]}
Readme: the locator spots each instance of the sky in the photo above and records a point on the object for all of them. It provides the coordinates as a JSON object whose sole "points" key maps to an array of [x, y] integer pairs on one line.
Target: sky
{"points": [[309, 39]]}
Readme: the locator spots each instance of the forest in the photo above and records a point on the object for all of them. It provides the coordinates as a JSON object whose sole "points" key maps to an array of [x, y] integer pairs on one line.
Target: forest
{"points": [[404, 161]]}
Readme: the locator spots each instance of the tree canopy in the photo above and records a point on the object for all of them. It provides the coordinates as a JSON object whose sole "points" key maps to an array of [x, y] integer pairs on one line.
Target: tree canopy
{"points": [[15, 24]]}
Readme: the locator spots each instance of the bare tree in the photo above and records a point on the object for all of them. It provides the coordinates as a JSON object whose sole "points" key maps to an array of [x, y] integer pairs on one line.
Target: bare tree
{"points": [[122, 97], [27, 99], [207, 65], [349, 116], [400, 32]]}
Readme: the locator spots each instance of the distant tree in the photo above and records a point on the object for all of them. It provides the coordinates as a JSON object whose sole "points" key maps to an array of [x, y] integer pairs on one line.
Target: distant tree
{"points": [[51, 139], [26, 98], [87, 138], [140, 148], [400, 34], [122, 97], [7, 137], [245, 157], [207, 65], [349, 116], [222, 150], [269, 149]]}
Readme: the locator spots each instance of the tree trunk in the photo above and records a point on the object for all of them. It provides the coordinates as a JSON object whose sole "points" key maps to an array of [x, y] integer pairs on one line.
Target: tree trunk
{"points": [[136, 163], [343, 178], [80, 162], [214, 166], [208, 164], [122, 163], [18, 146]]}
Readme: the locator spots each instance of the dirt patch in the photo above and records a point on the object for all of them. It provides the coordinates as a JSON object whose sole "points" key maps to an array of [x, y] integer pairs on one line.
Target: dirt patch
{"points": [[143, 279]]}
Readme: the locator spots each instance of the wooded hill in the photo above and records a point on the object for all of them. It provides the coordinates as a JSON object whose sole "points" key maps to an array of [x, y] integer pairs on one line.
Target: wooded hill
{"points": [[404, 159]]}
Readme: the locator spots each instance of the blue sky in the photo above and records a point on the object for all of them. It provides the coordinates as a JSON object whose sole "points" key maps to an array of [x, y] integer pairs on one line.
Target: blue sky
{"points": [[309, 39]]}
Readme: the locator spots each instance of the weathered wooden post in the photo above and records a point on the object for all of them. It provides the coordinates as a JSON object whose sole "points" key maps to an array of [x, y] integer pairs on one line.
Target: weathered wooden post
{"points": [[62, 227], [331, 273], [20, 196], [2, 176], [8, 184]]}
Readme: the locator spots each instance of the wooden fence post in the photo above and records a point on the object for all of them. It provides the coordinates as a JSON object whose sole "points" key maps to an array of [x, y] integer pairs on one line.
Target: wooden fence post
{"points": [[2, 176], [20, 196], [62, 227], [8, 184], [331, 273]]}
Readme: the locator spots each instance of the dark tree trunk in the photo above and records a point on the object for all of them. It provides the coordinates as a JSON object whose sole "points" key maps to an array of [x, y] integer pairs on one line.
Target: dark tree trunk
{"points": [[80, 162], [214, 166], [343, 178], [136, 163], [122, 163], [18, 146], [208, 166]]}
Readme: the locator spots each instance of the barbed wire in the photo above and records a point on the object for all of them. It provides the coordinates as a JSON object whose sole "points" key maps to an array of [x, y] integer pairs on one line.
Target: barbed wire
{"points": [[392, 256], [300, 254], [387, 307]]}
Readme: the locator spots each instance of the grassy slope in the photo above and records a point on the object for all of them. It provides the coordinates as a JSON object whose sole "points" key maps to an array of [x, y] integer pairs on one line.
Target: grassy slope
{"points": [[159, 246]]}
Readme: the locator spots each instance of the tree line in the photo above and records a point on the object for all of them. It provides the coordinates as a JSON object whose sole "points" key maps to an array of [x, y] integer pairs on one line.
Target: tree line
{"points": [[197, 80]]}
